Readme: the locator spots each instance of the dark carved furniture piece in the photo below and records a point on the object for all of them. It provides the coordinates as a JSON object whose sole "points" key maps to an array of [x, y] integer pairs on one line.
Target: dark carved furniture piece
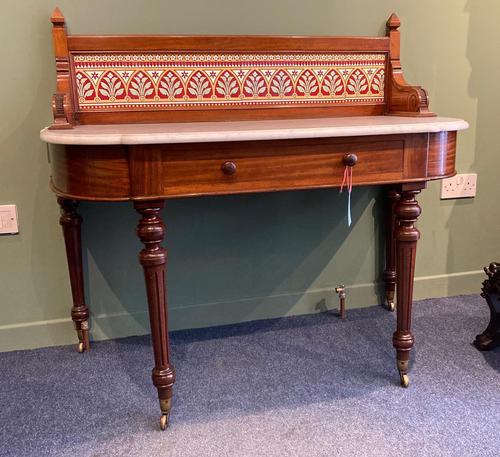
{"points": [[490, 338], [148, 118]]}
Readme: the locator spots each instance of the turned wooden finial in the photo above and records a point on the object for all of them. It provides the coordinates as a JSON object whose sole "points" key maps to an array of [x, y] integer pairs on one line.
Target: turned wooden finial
{"points": [[57, 17], [393, 23]]}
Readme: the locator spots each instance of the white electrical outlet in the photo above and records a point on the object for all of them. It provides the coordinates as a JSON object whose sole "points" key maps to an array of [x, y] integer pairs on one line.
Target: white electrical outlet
{"points": [[8, 219], [460, 186]]}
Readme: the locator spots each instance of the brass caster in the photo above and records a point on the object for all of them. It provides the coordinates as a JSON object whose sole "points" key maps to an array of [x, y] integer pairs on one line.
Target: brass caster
{"points": [[164, 421], [83, 337], [390, 306], [405, 380]]}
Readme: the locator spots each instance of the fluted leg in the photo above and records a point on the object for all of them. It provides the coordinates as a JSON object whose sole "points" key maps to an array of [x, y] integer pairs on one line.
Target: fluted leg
{"points": [[153, 259], [390, 258], [71, 223], [407, 235]]}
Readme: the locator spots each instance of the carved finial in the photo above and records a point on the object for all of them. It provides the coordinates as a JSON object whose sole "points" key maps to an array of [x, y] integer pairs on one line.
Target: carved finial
{"points": [[393, 23], [57, 17]]}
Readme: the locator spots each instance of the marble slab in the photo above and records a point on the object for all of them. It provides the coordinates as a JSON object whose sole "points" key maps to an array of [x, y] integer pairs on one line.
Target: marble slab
{"points": [[204, 132]]}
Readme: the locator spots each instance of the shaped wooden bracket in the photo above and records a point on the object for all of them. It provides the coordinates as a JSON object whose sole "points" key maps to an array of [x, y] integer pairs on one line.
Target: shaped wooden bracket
{"points": [[60, 111], [403, 99], [61, 101]]}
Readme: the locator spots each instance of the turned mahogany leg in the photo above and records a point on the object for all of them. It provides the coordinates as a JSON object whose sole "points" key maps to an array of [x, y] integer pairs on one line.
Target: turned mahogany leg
{"points": [[71, 223], [407, 235], [390, 257], [153, 259]]}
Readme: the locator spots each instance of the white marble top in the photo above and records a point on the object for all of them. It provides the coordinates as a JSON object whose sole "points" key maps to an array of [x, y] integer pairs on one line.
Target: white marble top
{"points": [[203, 132]]}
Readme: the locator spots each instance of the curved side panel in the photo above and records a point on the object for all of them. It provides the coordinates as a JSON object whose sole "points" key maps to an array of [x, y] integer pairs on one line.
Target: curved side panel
{"points": [[441, 159], [90, 173]]}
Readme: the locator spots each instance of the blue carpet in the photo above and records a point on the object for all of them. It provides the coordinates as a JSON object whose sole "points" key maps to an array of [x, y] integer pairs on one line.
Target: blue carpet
{"points": [[299, 386]]}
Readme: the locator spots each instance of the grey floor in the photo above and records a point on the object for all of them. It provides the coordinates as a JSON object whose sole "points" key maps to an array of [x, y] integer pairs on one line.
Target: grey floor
{"points": [[301, 386]]}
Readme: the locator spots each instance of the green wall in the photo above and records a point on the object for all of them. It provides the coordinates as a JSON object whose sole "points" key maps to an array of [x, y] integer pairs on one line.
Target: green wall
{"points": [[242, 257]]}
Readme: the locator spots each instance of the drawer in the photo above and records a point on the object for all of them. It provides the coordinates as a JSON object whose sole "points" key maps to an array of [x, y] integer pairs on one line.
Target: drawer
{"points": [[225, 168], [176, 170]]}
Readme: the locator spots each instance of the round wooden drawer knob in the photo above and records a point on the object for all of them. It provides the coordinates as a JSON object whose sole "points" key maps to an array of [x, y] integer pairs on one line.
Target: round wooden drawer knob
{"points": [[228, 168], [349, 160]]}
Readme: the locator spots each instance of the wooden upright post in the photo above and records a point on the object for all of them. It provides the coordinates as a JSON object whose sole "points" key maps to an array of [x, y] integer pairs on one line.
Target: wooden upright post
{"points": [[61, 101], [402, 99]]}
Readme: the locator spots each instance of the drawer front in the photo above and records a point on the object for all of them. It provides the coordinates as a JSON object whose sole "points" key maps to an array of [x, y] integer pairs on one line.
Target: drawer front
{"points": [[163, 171], [226, 168]]}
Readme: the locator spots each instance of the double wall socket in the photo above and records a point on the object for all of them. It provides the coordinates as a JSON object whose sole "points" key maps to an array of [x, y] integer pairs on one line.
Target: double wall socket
{"points": [[8, 219], [459, 186]]}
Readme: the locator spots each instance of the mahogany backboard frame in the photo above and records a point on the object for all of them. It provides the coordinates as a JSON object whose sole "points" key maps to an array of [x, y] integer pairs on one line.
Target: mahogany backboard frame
{"points": [[400, 98]]}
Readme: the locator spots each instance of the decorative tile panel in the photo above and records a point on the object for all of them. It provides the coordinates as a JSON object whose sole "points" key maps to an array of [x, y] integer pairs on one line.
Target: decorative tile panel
{"points": [[152, 81]]}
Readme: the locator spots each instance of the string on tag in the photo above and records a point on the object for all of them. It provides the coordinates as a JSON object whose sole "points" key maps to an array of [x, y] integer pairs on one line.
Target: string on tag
{"points": [[347, 182]]}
